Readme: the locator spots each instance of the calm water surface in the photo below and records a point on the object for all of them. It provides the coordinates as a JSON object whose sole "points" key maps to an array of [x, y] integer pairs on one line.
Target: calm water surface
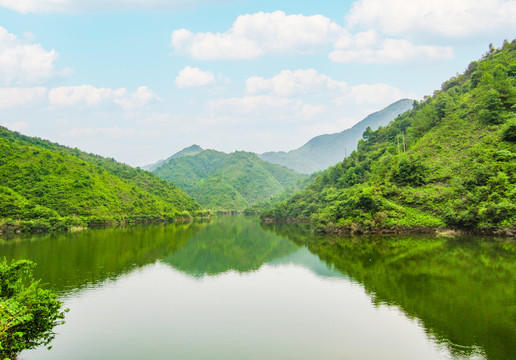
{"points": [[234, 289]]}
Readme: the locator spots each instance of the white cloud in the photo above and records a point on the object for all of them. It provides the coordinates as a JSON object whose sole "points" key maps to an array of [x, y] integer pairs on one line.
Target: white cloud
{"points": [[79, 6], [16, 125], [16, 97], [87, 95], [289, 82], [454, 18], [256, 105], [142, 97], [112, 132], [194, 77], [82, 95], [24, 63], [258, 34], [390, 51]]}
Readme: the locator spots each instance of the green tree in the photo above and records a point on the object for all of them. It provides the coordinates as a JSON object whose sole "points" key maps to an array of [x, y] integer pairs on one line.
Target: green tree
{"points": [[28, 313]]}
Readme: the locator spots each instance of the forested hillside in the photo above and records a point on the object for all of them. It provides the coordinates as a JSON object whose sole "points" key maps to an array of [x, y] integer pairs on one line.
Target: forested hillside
{"points": [[450, 162], [46, 186], [326, 150], [227, 182]]}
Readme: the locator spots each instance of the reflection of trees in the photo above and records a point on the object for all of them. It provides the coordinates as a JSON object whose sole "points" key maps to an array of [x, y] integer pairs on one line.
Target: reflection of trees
{"points": [[462, 289], [69, 261], [230, 243]]}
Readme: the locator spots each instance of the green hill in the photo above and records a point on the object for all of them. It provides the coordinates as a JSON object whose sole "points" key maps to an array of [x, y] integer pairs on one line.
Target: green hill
{"points": [[326, 150], [227, 182], [191, 150], [450, 162], [46, 186]]}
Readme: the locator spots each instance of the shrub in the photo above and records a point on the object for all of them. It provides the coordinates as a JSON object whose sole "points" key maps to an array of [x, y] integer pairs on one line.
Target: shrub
{"points": [[27, 312]]}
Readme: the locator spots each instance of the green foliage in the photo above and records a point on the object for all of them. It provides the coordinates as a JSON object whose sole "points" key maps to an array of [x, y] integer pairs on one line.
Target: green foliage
{"points": [[43, 181], [509, 132], [455, 169], [28, 312], [409, 171], [228, 182], [490, 107]]}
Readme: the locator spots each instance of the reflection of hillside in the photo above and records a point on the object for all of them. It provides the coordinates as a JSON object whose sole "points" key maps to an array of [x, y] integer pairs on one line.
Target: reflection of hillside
{"points": [[304, 258], [463, 290], [88, 258], [230, 243]]}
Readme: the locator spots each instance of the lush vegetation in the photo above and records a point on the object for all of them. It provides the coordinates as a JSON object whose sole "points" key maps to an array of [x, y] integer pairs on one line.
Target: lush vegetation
{"points": [[28, 313], [227, 182], [326, 150], [450, 162], [46, 186]]}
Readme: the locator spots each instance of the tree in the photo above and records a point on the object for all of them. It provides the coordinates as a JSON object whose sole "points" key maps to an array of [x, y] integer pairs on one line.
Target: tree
{"points": [[28, 313]]}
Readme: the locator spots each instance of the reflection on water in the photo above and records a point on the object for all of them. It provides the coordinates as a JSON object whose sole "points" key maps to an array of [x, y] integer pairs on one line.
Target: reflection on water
{"points": [[462, 289], [235, 289]]}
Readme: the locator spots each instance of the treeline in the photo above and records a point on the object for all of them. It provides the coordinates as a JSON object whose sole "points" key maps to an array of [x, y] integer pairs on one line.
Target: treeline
{"points": [[46, 187], [448, 163]]}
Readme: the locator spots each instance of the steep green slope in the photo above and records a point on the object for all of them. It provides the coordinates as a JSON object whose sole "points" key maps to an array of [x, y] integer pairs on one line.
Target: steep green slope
{"points": [[56, 186], [228, 182], [326, 150], [191, 150], [458, 169]]}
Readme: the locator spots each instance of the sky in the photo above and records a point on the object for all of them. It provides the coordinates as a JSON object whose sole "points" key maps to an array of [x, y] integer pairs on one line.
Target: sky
{"points": [[138, 80]]}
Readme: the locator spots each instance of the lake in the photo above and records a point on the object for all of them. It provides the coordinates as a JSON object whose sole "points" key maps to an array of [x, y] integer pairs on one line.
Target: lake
{"points": [[233, 288]]}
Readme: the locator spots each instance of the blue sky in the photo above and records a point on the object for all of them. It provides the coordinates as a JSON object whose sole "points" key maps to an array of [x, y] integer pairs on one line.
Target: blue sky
{"points": [[140, 80]]}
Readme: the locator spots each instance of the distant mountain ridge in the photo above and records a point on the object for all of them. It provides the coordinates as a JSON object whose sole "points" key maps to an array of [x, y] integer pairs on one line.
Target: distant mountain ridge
{"points": [[324, 151], [227, 182]]}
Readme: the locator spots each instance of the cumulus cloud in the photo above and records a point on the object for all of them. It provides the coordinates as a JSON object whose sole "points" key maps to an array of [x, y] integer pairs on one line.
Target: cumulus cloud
{"points": [[142, 97], [87, 95], [455, 18], [80, 6], [256, 105], [289, 82], [388, 51], [16, 97], [258, 34], [194, 77], [23, 63]]}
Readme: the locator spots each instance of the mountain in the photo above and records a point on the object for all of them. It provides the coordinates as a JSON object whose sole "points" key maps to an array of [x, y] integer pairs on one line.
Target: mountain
{"points": [[228, 182], [46, 186], [191, 150], [326, 150], [450, 162]]}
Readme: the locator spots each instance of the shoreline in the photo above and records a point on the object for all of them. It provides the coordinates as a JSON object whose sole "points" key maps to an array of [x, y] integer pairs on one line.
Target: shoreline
{"points": [[76, 224], [332, 229]]}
